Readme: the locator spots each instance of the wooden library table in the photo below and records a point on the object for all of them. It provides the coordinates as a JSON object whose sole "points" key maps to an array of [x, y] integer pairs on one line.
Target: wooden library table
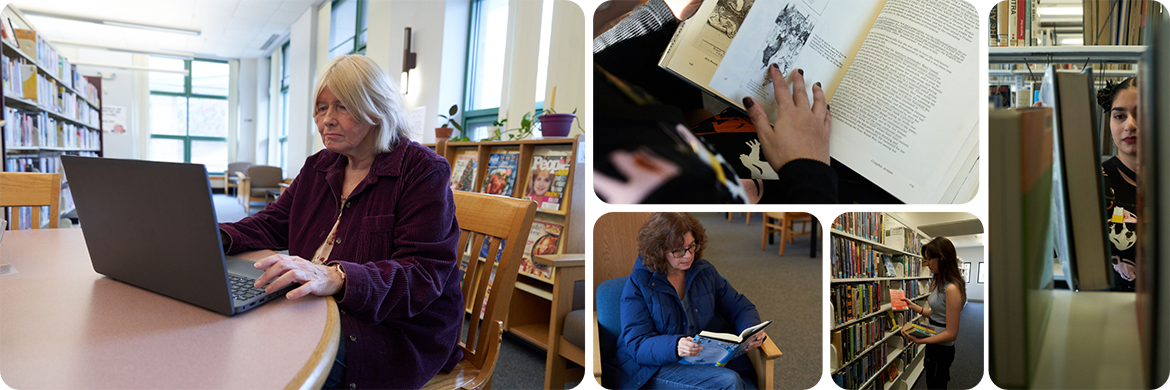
{"points": [[62, 325]]}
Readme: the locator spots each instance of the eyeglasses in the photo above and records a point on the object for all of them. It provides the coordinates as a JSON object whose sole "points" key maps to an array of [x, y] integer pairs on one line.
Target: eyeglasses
{"points": [[683, 252]]}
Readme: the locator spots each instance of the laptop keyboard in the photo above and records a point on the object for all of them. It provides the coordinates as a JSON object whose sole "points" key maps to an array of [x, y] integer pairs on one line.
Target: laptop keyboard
{"points": [[242, 289]]}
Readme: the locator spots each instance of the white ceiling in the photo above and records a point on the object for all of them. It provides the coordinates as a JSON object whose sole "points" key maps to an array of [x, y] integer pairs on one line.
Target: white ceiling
{"points": [[230, 28]]}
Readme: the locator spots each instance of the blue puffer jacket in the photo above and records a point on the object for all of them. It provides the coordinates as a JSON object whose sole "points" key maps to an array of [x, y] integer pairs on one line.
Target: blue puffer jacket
{"points": [[653, 320]]}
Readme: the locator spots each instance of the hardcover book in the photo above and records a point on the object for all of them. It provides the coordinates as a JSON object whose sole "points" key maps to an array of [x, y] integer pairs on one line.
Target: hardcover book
{"points": [[721, 348], [851, 47]]}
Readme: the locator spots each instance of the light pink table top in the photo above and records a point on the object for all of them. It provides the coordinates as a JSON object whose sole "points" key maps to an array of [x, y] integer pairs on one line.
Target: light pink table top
{"points": [[64, 326]]}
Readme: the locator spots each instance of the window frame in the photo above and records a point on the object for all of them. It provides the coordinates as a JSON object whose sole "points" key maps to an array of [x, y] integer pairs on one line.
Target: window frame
{"points": [[479, 117], [187, 138], [357, 48]]}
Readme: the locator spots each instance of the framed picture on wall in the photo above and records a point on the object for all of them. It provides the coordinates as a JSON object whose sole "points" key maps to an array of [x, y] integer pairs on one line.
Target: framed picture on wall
{"points": [[966, 268], [982, 273]]}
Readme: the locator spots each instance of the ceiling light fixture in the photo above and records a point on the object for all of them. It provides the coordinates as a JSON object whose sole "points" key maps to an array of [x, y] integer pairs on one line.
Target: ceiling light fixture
{"points": [[119, 23], [168, 53]]}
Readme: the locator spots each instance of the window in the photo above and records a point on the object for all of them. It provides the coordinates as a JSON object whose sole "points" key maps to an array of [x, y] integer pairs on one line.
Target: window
{"points": [[347, 27], [282, 151], [982, 273], [489, 29], [189, 113]]}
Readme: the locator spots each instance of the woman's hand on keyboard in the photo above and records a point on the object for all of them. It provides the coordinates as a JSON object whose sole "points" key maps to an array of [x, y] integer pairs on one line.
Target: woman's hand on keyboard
{"points": [[315, 279]]}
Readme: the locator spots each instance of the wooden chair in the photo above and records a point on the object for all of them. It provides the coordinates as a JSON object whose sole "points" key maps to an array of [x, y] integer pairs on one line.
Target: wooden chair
{"points": [[785, 225], [607, 331], [18, 189], [568, 270], [495, 218], [254, 185], [231, 175]]}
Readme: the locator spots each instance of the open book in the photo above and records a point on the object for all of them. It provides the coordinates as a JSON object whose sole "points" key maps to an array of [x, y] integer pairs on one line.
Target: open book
{"points": [[898, 75], [721, 348]]}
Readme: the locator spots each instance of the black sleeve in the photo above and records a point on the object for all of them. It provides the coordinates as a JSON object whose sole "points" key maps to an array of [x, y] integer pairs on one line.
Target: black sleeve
{"points": [[631, 50], [652, 22], [803, 181]]}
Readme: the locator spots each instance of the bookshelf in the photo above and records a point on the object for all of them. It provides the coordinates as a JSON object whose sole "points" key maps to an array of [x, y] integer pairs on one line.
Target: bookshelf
{"points": [[532, 300], [873, 253], [50, 109]]}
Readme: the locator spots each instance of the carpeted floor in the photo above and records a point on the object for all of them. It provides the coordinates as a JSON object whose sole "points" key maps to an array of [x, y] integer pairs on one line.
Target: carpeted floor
{"points": [[786, 289], [967, 369]]}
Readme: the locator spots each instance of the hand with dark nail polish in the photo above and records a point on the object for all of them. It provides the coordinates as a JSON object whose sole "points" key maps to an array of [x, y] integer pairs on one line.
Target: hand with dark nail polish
{"points": [[801, 130]]}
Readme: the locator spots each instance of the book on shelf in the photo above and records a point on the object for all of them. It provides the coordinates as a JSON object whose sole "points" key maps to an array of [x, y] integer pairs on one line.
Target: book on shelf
{"points": [[543, 239], [861, 370], [463, 173], [891, 272], [721, 348], [1114, 22], [1019, 223], [501, 172], [1079, 189], [898, 299], [849, 47], [852, 340], [854, 300], [548, 177], [920, 331], [853, 259], [1002, 24]]}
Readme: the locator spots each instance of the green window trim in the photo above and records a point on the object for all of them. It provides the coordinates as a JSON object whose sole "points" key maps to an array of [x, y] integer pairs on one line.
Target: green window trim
{"points": [[188, 95], [358, 47]]}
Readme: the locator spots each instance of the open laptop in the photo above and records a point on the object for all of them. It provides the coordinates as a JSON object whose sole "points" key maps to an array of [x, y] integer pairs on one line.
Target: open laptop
{"points": [[153, 225]]}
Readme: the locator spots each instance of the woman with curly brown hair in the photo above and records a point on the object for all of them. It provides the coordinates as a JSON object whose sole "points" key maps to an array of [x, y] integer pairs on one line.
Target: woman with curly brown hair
{"points": [[673, 294], [948, 295], [1120, 102]]}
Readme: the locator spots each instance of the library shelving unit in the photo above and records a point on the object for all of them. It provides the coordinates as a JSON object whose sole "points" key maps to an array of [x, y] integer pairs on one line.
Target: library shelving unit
{"points": [[49, 109], [528, 315], [873, 253]]}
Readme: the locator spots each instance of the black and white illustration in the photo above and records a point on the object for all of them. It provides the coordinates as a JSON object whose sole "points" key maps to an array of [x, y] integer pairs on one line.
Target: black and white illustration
{"points": [[786, 40], [721, 27], [728, 16]]}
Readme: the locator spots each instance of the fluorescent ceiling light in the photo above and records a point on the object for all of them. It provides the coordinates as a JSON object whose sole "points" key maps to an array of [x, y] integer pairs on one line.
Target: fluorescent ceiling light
{"points": [[169, 53], [119, 23], [1060, 11]]}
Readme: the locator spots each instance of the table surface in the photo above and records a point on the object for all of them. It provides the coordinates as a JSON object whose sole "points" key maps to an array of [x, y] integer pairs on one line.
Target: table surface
{"points": [[62, 325]]}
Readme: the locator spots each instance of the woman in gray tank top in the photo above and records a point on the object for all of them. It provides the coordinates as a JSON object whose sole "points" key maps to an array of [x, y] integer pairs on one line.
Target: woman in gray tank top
{"points": [[948, 295]]}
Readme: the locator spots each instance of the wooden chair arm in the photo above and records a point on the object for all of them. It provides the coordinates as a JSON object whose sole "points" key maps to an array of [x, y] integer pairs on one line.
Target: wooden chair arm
{"points": [[596, 351], [763, 360], [484, 378], [559, 261]]}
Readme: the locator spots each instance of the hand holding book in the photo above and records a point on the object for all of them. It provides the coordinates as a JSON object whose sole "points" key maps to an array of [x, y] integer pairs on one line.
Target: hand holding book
{"points": [[800, 131]]}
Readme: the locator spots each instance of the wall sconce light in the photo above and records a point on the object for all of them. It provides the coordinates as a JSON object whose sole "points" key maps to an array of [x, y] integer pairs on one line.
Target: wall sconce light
{"points": [[409, 60]]}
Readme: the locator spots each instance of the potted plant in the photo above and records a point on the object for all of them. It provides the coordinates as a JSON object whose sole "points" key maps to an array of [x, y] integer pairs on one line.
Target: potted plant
{"points": [[553, 124], [444, 132]]}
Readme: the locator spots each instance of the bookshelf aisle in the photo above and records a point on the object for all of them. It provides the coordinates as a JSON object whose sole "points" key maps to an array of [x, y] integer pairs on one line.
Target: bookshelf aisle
{"points": [[49, 109], [873, 253], [542, 170]]}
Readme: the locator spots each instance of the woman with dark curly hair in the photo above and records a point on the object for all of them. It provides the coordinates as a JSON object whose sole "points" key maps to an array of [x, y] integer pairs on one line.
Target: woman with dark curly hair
{"points": [[948, 295], [671, 295], [1120, 102]]}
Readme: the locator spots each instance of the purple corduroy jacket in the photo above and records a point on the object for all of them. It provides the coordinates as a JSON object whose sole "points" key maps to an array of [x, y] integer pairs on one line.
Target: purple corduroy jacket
{"points": [[402, 308]]}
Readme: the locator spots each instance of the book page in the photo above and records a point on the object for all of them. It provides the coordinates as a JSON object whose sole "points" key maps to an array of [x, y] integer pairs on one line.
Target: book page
{"points": [[817, 36], [905, 111], [700, 42]]}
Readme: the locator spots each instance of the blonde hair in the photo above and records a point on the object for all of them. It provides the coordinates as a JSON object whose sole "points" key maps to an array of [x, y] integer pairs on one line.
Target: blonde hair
{"points": [[370, 96]]}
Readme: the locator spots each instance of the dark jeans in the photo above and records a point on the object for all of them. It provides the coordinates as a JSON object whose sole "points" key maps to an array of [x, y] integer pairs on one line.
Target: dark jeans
{"points": [[680, 376], [937, 365], [336, 377]]}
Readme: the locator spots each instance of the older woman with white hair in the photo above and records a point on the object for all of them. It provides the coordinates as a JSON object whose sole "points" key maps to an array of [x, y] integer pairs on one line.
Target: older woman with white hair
{"points": [[370, 220]]}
